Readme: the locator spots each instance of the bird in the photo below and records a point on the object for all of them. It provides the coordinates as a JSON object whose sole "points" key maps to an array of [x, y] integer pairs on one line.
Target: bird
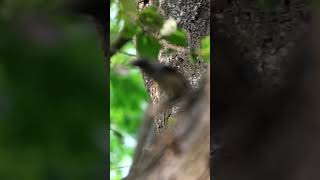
{"points": [[168, 78]]}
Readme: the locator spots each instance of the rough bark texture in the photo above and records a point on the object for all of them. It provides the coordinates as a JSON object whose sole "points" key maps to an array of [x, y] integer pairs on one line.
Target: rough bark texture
{"points": [[181, 152], [194, 17], [266, 133], [264, 36], [179, 149]]}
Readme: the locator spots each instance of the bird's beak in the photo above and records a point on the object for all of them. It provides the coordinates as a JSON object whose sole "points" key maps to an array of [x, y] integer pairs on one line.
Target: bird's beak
{"points": [[134, 63]]}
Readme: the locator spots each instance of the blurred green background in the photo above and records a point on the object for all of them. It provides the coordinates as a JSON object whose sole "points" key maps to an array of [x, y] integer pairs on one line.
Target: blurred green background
{"points": [[128, 100], [53, 95]]}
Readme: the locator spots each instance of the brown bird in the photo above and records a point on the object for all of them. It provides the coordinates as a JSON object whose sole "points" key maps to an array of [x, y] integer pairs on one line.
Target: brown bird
{"points": [[168, 78]]}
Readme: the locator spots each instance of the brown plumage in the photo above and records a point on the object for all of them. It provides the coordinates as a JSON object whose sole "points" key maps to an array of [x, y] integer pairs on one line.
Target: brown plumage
{"points": [[169, 80]]}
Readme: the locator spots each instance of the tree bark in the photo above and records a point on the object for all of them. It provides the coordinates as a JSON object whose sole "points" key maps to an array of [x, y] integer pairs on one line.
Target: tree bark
{"points": [[266, 120], [263, 35]]}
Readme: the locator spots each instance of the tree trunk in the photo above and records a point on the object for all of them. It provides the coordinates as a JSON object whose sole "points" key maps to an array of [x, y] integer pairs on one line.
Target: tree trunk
{"points": [[266, 96], [264, 35]]}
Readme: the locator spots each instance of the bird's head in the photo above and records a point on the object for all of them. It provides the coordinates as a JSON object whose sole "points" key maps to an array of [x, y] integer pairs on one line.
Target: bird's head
{"points": [[142, 63]]}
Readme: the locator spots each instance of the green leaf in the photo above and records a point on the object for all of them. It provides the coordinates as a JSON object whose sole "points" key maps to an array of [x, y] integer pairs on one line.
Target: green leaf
{"points": [[178, 38], [129, 9], [149, 17], [147, 46], [130, 29], [205, 48]]}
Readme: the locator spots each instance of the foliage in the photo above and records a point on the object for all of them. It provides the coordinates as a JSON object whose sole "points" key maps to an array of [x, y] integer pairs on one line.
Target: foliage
{"points": [[127, 102], [128, 97], [10, 8], [177, 38], [130, 23], [144, 41], [52, 100], [150, 18], [205, 48]]}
